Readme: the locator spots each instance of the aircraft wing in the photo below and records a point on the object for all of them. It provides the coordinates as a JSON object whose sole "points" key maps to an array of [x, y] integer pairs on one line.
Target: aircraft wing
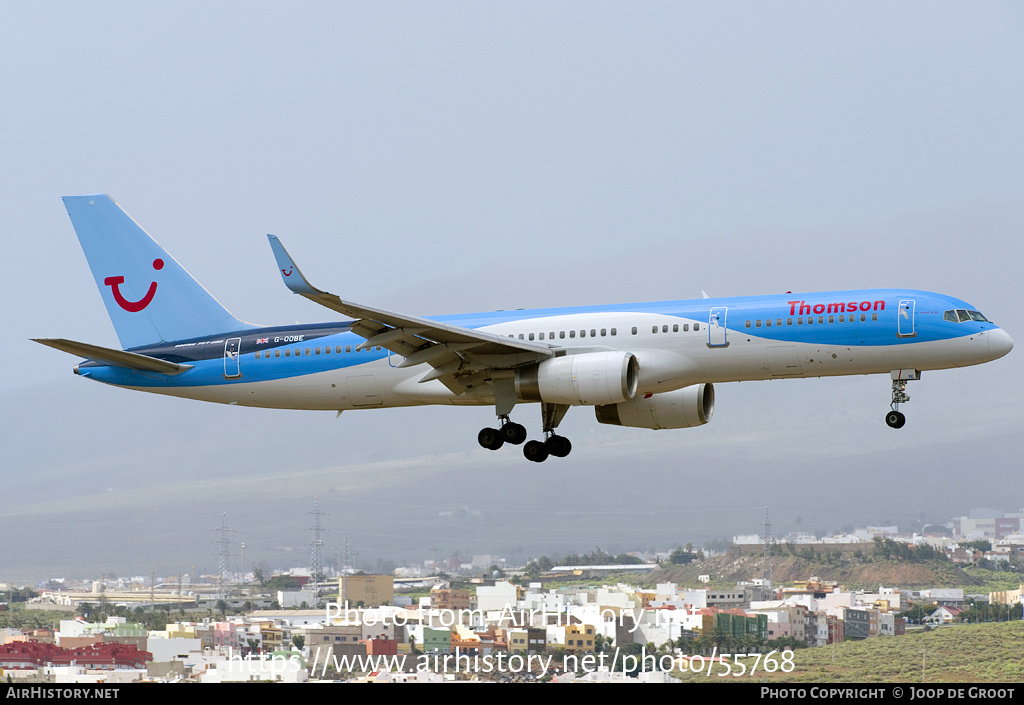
{"points": [[117, 358], [461, 357]]}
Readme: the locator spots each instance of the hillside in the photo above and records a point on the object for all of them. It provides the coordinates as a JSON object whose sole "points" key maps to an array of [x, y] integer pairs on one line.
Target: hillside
{"points": [[967, 653], [854, 569]]}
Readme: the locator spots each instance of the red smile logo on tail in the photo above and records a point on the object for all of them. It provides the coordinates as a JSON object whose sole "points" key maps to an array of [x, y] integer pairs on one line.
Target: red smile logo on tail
{"points": [[133, 306]]}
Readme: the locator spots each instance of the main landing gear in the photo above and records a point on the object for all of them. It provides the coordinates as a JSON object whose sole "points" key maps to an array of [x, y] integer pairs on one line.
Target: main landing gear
{"points": [[894, 418], [536, 451], [510, 432]]}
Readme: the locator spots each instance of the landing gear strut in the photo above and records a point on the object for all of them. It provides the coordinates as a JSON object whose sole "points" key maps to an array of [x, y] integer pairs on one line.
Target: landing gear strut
{"points": [[894, 418], [514, 433], [553, 445]]}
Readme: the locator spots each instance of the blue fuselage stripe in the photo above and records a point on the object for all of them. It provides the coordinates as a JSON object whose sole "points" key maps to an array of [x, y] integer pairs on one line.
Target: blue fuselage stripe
{"points": [[811, 318]]}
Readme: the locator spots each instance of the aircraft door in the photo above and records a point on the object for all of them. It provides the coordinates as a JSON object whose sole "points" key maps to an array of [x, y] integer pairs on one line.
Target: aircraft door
{"points": [[231, 359], [905, 319], [716, 327]]}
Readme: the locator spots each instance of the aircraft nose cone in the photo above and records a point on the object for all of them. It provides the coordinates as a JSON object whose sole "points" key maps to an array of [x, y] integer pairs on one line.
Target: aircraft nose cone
{"points": [[999, 343]]}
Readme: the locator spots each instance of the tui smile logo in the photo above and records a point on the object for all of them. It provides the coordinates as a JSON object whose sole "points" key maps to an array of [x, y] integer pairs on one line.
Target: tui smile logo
{"points": [[133, 306], [287, 272]]}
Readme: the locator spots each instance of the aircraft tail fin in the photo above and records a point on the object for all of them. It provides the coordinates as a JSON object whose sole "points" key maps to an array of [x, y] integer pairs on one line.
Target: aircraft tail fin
{"points": [[149, 296]]}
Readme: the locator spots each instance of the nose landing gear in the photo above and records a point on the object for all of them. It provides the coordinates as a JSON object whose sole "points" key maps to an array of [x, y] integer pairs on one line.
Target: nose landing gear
{"points": [[895, 418]]}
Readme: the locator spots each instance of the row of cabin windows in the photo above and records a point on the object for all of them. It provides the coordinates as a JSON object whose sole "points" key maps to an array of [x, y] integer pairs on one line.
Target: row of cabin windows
{"points": [[810, 320], [595, 332], [562, 335], [288, 352]]}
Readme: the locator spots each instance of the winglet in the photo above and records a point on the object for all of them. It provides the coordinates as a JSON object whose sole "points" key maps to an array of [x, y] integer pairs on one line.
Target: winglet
{"points": [[290, 273]]}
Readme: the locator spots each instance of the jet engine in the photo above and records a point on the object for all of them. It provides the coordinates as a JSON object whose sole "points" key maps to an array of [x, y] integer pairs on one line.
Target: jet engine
{"points": [[586, 378], [683, 408]]}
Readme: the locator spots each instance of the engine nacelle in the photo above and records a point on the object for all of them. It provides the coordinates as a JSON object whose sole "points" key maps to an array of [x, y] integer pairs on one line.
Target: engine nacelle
{"points": [[683, 408], [586, 378]]}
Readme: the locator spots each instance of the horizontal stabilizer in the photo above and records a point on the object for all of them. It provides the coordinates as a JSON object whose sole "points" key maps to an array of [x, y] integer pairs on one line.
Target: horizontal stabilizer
{"points": [[117, 358]]}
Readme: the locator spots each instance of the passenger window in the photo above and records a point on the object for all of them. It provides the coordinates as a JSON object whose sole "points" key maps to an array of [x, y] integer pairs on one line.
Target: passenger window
{"points": [[277, 353], [593, 332], [551, 335], [613, 331], [757, 323], [686, 327], [789, 321], [561, 334], [800, 321], [318, 350], [810, 320], [821, 319], [831, 319], [348, 348], [863, 318], [604, 332], [696, 326], [288, 352], [768, 322], [257, 354], [307, 351], [778, 321], [747, 324], [542, 336], [531, 336], [521, 336], [675, 327], [572, 334], [634, 330], [664, 329], [654, 329], [583, 334], [874, 316]]}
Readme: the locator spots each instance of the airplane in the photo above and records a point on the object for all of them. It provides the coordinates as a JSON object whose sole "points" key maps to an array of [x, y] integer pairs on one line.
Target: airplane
{"points": [[644, 365]]}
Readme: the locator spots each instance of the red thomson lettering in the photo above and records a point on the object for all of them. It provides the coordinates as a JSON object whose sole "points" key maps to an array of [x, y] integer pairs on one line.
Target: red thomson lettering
{"points": [[834, 307]]}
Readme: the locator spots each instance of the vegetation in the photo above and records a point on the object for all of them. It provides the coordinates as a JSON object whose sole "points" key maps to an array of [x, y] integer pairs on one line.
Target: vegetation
{"points": [[969, 653], [595, 557]]}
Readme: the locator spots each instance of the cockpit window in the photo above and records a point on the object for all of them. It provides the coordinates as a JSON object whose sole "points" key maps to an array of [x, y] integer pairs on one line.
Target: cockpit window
{"points": [[962, 316]]}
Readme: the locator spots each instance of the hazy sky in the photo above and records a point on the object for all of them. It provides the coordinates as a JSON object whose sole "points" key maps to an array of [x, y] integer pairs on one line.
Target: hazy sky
{"points": [[442, 157]]}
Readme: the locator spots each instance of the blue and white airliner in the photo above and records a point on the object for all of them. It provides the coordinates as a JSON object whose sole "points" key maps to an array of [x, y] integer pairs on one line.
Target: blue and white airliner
{"points": [[647, 365]]}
